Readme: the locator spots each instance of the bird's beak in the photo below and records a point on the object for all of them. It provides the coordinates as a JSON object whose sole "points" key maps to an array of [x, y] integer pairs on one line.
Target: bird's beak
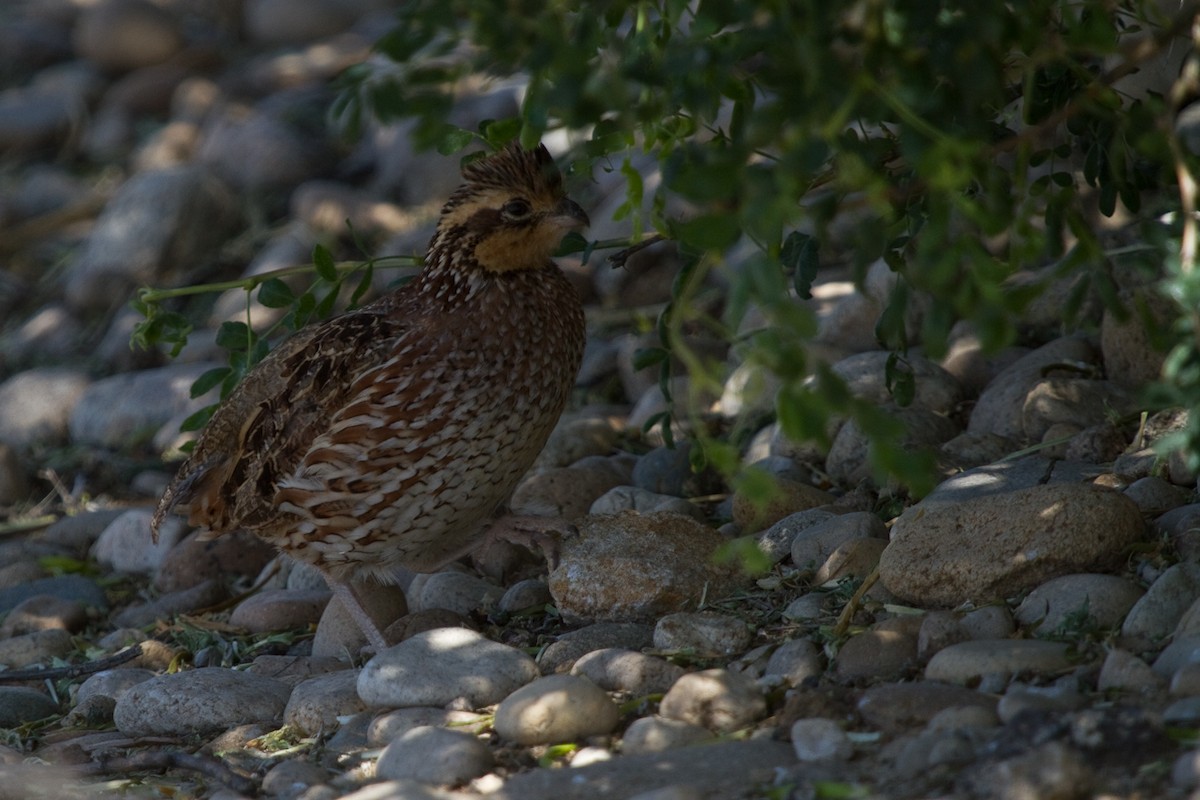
{"points": [[570, 216]]}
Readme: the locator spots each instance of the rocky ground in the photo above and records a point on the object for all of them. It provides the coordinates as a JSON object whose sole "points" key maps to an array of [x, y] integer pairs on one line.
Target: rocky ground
{"points": [[1034, 631]]}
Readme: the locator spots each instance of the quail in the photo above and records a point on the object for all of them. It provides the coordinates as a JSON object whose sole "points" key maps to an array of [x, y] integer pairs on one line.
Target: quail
{"points": [[388, 436]]}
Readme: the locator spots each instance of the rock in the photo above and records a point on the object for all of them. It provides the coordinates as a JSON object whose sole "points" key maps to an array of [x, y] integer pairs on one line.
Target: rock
{"points": [[750, 388], [126, 544], [1001, 406], [325, 206], [885, 650], [203, 701], [290, 779], [280, 22], [658, 734], [156, 228], [121, 35], [435, 755], [897, 707], [1078, 601], [14, 487], [637, 567], [31, 648], [941, 554], [37, 404], [1077, 401], [294, 670], [576, 437], [280, 610], [717, 699], [942, 628], [856, 558], [1024, 699], [525, 594], [849, 457], [777, 541], [702, 632], [813, 546], [391, 725], [197, 559], [439, 666], [316, 704], [820, 740], [456, 591], [616, 669], [668, 470], [562, 654], [20, 705], [103, 418], [44, 612], [556, 708], [967, 362], [112, 683], [1123, 671], [630, 498], [166, 606], [1050, 770], [866, 378], [79, 532], [45, 112], [1156, 614], [794, 662], [66, 587], [1154, 496], [787, 497], [338, 635], [722, 769], [268, 147], [1130, 356], [566, 492], [968, 450], [965, 662]]}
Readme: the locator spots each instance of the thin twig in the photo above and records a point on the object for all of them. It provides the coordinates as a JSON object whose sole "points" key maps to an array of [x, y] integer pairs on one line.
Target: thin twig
{"points": [[73, 671], [619, 258], [171, 759]]}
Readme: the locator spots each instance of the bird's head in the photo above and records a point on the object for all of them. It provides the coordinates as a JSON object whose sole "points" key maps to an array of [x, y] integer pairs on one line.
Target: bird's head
{"points": [[513, 208]]}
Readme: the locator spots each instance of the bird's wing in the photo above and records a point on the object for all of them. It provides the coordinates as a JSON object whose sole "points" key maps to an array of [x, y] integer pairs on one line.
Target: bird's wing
{"points": [[267, 424]]}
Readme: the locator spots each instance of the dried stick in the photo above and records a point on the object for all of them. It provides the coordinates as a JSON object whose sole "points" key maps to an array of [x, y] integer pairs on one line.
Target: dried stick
{"points": [[74, 671]]}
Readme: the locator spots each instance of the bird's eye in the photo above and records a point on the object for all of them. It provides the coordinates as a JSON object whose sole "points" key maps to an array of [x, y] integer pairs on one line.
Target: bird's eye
{"points": [[516, 209]]}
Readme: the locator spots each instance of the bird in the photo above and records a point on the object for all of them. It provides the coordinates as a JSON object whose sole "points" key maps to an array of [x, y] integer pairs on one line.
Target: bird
{"points": [[389, 436]]}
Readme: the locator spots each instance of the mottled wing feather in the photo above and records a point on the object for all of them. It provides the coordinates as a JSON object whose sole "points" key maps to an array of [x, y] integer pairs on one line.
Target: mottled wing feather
{"points": [[268, 423]]}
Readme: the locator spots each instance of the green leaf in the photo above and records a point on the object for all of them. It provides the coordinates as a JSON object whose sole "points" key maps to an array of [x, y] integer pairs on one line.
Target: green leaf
{"points": [[709, 232], [364, 283], [649, 356], [235, 336], [323, 261], [274, 293], [900, 380], [454, 139], [198, 420], [208, 380], [799, 257], [499, 132]]}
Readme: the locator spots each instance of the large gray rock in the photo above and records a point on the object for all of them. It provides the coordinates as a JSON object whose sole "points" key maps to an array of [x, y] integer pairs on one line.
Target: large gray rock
{"points": [[122, 410], [942, 554], [157, 227], [199, 701]]}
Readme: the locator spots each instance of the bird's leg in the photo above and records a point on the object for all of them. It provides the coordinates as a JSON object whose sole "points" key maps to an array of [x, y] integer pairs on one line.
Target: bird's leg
{"points": [[540, 534], [343, 591]]}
